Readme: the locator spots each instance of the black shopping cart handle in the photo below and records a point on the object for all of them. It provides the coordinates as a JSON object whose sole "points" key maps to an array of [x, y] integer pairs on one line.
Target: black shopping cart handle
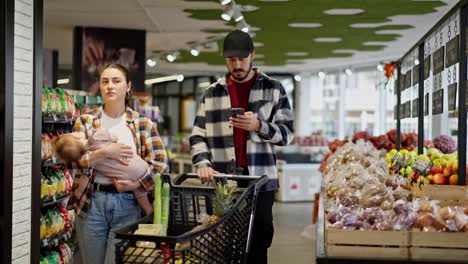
{"points": [[218, 177]]}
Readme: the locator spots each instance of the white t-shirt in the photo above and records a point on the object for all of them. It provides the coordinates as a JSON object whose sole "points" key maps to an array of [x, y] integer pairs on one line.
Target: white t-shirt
{"points": [[118, 128]]}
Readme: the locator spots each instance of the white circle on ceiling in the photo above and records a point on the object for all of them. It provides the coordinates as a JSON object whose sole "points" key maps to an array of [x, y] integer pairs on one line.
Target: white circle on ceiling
{"points": [[328, 40], [297, 54], [305, 25], [344, 12]]}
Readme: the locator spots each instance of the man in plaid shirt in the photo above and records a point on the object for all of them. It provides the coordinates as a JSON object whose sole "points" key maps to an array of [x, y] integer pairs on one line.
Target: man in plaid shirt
{"points": [[229, 143]]}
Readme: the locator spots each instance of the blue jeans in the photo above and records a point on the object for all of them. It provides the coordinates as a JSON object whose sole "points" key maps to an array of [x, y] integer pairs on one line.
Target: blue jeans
{"points": [[96, 239]]}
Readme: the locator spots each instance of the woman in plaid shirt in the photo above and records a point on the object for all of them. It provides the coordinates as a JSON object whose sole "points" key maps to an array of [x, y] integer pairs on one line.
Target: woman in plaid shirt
{"points": [[107, 202], [228, 142]]}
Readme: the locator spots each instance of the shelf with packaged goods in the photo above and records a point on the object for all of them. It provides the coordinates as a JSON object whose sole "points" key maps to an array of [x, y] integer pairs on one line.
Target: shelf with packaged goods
{"points": [[46, 202], [54, 241]]}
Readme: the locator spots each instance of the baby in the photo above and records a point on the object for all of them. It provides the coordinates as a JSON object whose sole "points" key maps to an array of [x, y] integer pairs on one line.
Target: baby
{"points": [[70, 147]]}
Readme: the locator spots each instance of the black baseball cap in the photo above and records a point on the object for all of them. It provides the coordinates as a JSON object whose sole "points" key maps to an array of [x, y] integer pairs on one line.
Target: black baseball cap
{"points": [[237, 44]]}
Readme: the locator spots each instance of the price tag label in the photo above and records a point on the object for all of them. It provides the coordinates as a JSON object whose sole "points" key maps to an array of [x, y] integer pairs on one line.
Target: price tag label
{"points": [[452, 96], [422, 167], [427, 67], [452, 51], [438, 102], [438, 60]]}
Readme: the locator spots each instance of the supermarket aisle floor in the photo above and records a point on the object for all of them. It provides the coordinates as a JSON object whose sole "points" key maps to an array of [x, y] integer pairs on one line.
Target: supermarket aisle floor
{"points": [[288, 244]]}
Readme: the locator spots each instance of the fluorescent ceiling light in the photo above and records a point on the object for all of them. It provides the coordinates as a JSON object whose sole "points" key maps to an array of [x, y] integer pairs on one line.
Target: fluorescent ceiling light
{"points": [[63, 81], [344, 11], [321, 75], [380, 67], [225, 2], [180, 78], [305, 25], [161, 79], [348, 72], [297, 77], [297, 54], [416, 62], [328, 40]]}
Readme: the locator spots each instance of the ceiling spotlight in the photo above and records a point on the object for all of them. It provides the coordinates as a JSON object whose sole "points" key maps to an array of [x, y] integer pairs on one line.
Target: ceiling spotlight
{"points": [[228, 14], [380, 67], [297, 77], [348, 72], [151, 62], [180, 78], [321, 75], [171, 57], [195, 52], [416, 62], [225, 2], [243, 26]]}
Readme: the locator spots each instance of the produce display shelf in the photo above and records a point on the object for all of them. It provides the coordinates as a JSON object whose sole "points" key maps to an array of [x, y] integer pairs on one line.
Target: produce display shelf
{"points": [[54, 200], [55, 240], [360, 254]]}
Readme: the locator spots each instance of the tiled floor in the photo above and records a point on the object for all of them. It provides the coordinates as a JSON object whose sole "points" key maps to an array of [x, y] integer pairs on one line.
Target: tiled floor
{"points": [[288, 244]]}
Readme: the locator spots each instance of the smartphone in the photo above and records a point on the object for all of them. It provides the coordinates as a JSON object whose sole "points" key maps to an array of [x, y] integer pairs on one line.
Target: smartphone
{"points": [[237, 111]]}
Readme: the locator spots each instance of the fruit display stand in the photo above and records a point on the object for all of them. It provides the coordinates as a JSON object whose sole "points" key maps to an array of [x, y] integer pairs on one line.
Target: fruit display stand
{"points": [[443, 246]]}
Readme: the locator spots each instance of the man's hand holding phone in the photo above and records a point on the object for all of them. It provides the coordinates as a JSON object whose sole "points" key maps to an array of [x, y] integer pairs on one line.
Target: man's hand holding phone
{"points": [[244, 120]]}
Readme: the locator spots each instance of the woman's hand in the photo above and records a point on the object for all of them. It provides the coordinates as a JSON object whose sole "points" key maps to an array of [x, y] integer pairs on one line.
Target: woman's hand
{"points": [[125, 185], [119, 152]]}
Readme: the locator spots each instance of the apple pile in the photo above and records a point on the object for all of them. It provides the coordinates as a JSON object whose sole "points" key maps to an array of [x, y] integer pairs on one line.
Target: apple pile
{"points": [[433, 168], [444, 169]]}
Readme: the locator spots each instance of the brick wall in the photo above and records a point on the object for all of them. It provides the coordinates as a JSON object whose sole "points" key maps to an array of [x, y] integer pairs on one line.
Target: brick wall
{"points": [[22, 139]]}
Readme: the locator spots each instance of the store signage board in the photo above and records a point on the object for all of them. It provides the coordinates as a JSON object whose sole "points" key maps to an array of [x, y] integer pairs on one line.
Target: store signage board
{"points": [[438, 102], [415, 108], [452, 51], [438, 60], [452, 97]]}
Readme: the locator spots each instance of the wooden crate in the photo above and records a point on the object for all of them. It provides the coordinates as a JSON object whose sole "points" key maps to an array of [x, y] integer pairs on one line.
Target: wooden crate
{"points": [[446, 194], [367, 244], [443, 246], [438, 245]]}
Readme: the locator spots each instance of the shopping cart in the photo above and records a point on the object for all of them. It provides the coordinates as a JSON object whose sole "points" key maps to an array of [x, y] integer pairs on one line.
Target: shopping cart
{"points": [[226, 241]]}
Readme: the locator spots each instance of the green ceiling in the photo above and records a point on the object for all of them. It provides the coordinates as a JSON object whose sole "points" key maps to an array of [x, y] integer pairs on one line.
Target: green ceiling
{"points": [[272, 19]]}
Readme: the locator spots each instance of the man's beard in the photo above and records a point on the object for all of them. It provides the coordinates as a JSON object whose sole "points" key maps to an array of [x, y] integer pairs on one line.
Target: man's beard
{"points": [[241, 78]]}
